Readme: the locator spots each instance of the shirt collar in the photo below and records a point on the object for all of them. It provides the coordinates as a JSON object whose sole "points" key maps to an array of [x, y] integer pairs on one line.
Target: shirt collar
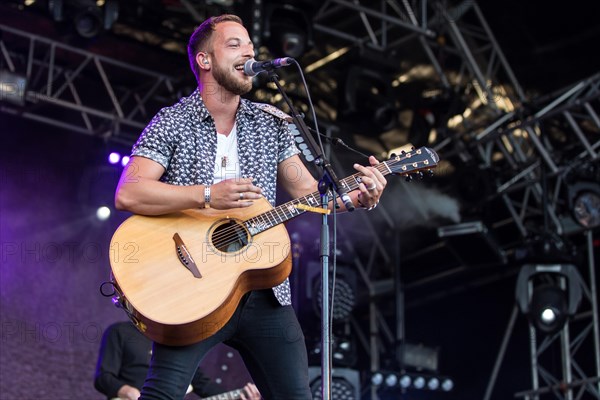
{"points": [[246, 107]]}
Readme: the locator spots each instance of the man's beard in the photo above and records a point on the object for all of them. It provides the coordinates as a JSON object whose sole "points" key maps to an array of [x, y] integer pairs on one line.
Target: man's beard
{"points": [[229, 82]]}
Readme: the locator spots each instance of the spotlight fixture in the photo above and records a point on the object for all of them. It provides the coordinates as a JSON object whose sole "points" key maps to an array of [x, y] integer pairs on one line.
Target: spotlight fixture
{"points": [[405, 381], [586, 209], [287, 30], [583, 192], [377, 379], [88, 21], [419, 382], [344, 299], [548, 306], [13, 87], [447, 385], [389, 380], [433, 383], [345, 383], [89, 17]]}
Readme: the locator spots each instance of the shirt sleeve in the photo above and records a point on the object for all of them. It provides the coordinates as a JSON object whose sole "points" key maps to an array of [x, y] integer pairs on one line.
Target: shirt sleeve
{"points": [[287, 146], [156, 141], [109, 363]]}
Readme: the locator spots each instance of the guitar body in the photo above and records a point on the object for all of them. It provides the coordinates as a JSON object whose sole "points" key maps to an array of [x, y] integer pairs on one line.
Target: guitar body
{"points": [[161, 294]]}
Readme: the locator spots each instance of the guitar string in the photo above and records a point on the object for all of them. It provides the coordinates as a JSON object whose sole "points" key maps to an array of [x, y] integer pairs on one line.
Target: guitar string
{"points": [[227, 235], [230, 235]]}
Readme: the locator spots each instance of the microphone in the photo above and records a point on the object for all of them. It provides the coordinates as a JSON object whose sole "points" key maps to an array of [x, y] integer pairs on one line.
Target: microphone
{"points": [[253, 67]]}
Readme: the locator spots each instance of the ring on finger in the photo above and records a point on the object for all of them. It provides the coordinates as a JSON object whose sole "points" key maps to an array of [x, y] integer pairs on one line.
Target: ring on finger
{"points": [[373, 186], [241, 196]]}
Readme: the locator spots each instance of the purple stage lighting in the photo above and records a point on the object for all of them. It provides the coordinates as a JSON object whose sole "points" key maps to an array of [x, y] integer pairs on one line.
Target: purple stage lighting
{"points": [[114, 157]]}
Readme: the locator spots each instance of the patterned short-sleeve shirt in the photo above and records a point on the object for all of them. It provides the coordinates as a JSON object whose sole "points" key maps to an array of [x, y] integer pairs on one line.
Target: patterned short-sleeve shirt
{"points": [[182, 138]]}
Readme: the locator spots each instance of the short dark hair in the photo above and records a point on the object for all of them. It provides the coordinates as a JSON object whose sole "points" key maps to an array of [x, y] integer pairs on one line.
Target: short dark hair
{"points": [[200, 39]]}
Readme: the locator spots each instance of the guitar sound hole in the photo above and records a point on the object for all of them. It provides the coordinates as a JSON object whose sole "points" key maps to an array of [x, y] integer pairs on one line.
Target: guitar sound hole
{"points": [[230, 237]]}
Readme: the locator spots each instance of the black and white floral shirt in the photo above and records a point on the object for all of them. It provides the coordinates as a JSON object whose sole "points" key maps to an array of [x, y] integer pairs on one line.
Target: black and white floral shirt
{"points": [[183, 139]]}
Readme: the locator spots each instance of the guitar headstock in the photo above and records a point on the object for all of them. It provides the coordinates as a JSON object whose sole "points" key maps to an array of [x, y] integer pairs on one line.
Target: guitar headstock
{"points": [[413, 162]]}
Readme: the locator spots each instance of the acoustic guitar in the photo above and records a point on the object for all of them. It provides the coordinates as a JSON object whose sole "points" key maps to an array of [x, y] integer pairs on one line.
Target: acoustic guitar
{"points": [[180, 276]]}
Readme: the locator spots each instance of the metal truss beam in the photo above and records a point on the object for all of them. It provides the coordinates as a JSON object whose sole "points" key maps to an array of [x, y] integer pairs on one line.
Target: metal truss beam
{"points": [[378, 20], [561, 134], [506, 135], [578, 378], [78, 90]]}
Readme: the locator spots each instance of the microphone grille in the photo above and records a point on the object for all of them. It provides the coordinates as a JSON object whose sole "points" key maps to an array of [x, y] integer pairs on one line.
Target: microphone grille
{"points": [[248, 70]]}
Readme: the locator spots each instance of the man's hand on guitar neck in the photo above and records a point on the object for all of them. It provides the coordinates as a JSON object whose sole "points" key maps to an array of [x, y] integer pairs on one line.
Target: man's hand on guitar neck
{"points": [[250, 392], [371, 186]]}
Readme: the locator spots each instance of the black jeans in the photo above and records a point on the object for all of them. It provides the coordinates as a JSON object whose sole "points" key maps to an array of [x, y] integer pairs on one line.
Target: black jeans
{"points": [[267, 336]]}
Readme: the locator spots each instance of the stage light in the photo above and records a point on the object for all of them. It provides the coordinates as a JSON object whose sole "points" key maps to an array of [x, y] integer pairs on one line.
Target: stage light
{"points": [[433, 383], [12, 87], [125, 160], [419, 382], [344, 296], [586, 209], [89, 17], [447, 385], [287, 30], [405, 381], [88, 21], [549, 306], [583, 190], [391, 380], [114, 157], [343, 352], [103, 213], [377, 379], [345, 383]]}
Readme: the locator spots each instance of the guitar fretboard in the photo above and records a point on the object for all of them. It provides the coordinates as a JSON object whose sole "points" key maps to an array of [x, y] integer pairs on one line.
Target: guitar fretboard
{"points": [[423, 159], [232, 395]]}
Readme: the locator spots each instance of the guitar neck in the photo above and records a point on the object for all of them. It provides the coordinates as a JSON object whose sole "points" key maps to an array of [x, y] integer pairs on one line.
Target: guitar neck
{"points": [[232, 395], [398, 164]]}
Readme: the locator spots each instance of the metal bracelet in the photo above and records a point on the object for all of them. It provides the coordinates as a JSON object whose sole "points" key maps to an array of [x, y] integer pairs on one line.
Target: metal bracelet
{"points": [[207, 197]]}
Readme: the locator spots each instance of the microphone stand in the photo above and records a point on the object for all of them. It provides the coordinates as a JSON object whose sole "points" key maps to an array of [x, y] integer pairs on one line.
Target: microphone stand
{"points": [[328, 181]]}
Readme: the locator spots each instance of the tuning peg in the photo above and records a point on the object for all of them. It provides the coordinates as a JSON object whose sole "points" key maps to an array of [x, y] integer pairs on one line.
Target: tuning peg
{"points": [[420, 175], [409, 178], [430, 173], [393, 155]]}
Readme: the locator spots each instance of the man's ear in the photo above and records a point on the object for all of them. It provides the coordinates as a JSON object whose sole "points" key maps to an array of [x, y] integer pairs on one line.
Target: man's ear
{"points": [[202, 60]]}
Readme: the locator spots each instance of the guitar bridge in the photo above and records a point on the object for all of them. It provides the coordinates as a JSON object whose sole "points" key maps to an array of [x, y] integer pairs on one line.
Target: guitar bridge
{"points": [[185, 257]]}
